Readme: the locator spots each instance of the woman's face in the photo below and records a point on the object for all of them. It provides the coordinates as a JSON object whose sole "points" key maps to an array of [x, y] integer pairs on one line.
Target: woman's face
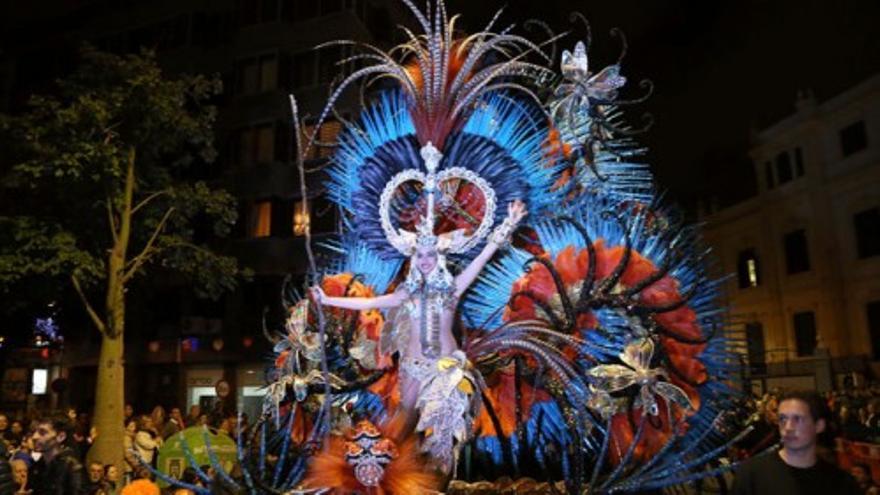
{"points": [[112, 474], [425, 259], [131, 427]]}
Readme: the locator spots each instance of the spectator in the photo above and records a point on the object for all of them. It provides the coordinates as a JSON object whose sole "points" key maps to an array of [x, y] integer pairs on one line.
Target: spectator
{"points": [[850, 427], [873, 419], [174, 423], [59, 471], [146, 440], [862, 475], [192, 418], [111, 478], [15, 433], [203, 420], [7, 483], [20, 477], [795, 469], [127, 413], [4, 424], [131, 462], [96, 477], [191, 477], [158, 417]]}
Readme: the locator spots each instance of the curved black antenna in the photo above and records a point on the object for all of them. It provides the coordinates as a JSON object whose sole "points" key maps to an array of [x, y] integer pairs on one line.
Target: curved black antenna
{"points": [[624, 46], [648, 85], [609, 283], [560, 288], [577, 16]]}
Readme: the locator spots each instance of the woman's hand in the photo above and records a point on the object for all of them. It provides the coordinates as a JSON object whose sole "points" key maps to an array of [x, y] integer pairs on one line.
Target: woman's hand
{"points": [[516, 210], [318, 294]]}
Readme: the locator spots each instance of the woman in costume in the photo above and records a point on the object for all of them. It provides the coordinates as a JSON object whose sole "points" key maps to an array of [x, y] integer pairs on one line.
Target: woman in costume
{"points": [[433, 368]]}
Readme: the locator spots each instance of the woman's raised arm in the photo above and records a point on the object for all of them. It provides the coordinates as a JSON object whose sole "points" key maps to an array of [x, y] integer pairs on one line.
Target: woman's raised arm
{"points": [[516, 210], [392, 300]]}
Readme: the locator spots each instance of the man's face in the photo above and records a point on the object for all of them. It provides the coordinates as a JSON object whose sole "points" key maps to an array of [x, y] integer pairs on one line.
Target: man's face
{"points": [[19, 471], [96, 472], [46, 439], [4, 422], [797, 427], [128, 410]]}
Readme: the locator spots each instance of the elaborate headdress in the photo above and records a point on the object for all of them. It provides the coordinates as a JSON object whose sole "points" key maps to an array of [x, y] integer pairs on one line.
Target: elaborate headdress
{"points": [[456, 241]]}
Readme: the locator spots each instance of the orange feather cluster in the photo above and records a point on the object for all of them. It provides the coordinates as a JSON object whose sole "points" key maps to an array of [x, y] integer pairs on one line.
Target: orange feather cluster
{"points": [[572, 265], [405, 474]]}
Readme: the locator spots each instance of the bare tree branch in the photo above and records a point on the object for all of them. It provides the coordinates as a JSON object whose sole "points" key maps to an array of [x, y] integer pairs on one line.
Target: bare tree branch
{"points": [[148, 199], [148, 251], [99, 323]]}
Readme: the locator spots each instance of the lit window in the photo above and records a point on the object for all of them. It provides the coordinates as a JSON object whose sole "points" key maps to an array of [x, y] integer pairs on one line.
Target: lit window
{"points": [[301, 217], [748, 271], [325, 140], [261, 219]]}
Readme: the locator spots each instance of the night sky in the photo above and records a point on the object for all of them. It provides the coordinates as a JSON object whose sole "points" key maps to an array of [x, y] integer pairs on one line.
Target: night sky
{"points": [[721, 70]]}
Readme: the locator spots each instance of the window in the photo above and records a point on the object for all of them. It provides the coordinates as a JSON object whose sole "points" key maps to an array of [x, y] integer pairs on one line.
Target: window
{"points": [[783, 168], [867, 227], [873, 308], [265, 152], [755, 346], [257, 145], [304, 70], [768, 170], [853, 138], [798, 162], [747, 269], [326, 136], [805, 333], [797, 253], [257, 74], [260, 219]]}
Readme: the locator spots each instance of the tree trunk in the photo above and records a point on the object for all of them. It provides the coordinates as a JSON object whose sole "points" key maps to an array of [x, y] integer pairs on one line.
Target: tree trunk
{"points": [[110, 393], [109, 403]]}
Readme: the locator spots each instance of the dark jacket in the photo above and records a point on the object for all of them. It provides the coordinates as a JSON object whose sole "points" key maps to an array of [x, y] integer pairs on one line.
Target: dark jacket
{"points": [[7, 486], [63, 476]]}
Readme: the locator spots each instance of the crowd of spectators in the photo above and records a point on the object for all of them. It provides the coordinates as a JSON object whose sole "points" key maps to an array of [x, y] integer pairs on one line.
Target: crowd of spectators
{"points": [[48, 454], [854, 416]]}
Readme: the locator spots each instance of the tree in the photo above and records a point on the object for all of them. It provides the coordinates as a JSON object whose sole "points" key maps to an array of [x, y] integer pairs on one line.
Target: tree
{"points": [[98, 189]]}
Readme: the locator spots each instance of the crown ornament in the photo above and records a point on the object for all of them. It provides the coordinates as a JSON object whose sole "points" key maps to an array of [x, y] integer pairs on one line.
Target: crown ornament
{"points": [[406, 241]]}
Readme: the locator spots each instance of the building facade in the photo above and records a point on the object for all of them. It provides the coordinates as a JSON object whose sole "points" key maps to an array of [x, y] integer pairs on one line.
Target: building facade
{"points": [[805, 252], [178, 346]]}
